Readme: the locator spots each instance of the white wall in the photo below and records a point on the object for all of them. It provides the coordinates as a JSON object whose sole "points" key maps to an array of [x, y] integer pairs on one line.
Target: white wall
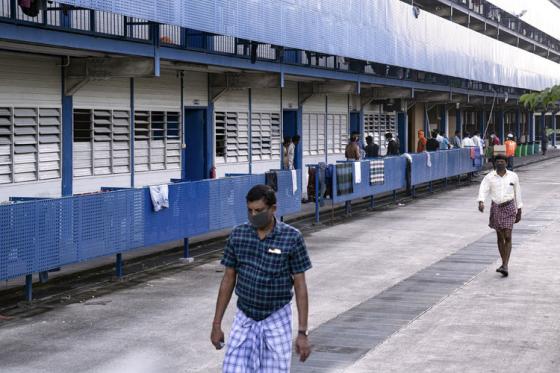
{"points": [[163, 93], [196, 88], [104, 94]]}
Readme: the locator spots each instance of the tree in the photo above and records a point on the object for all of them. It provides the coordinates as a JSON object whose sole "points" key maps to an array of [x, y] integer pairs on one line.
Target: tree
{"points": [[547, 100]]}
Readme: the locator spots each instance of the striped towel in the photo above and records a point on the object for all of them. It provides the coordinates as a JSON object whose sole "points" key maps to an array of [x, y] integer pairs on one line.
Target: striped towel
{"points": [[344, 178], [376, 172]]}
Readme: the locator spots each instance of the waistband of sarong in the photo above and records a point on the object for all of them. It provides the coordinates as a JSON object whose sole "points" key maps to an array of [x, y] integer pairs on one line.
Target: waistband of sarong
{"points": [[503, 203]]}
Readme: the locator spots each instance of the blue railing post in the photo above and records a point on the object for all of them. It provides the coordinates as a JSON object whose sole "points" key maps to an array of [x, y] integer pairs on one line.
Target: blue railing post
{"points": [[187, 250], [371, 202], [348, 207], [92, 21], [29, 288], [119, 266]]}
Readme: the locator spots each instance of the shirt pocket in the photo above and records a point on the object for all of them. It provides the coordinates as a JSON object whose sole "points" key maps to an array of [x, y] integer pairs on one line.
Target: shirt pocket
{"points": [[274, 265]]}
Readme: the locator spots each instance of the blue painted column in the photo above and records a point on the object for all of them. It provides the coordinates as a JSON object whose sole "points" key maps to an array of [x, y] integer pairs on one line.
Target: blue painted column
{"points": [[326, 129], [67, 167], [426, 122], [554, 129], [250, 97], [518, 124], [501, 127], [402, 122], [531, 129], [542, 126], [482, 123], [443, 122], [459, 121], [132, 126], [210, 143], [182, 128]]}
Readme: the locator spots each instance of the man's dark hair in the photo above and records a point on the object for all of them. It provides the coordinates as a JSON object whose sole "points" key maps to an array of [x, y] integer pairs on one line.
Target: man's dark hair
{"points": [[476, 133], [388, 135], [500, 156], [442, 133], [369, 139], [466, 134], [287, 139], [264, 192], [457, 132], [296, 138]]}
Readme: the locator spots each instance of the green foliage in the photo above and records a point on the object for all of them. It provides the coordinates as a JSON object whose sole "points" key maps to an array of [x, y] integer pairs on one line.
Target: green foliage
{"points": [[549, 99]]}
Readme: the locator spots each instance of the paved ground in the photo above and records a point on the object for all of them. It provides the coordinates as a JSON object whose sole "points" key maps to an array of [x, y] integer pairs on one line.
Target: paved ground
{"points": [[480, 324]]}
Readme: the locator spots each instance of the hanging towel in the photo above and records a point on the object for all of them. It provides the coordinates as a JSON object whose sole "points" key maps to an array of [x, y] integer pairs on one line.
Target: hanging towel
{"points": [[294, 181], [271, 179], [160, 196], [357, 172], [477, 161], [376, 172], [344, 179], [428, 159], [473, 153]]}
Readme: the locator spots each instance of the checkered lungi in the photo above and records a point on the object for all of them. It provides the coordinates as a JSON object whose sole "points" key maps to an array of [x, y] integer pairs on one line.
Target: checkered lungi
{"points": [[344, 178], [260, 346], [502, 216], [376, 172]]}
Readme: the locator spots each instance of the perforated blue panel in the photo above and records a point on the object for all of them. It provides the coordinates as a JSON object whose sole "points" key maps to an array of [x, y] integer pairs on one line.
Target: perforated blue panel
{"points": [[384, 31], [444, 164], [394, 174], [40, 235]]}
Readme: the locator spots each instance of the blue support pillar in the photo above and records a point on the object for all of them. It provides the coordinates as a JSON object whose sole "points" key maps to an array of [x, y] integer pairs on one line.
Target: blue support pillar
{"points": [[501, 127], [518, 124], [554, 129], [482, 124], [250, 97], [132, 127], [326, 129], [443, 121], [531, 129], [210, 144], [459, 121], [542, 125], [67, 141], [402, 122], [182, 130]]}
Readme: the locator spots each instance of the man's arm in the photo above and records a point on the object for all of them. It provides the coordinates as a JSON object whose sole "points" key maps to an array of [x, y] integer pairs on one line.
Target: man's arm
{"points": [[483, 193], [302, 343], [224, 296]]}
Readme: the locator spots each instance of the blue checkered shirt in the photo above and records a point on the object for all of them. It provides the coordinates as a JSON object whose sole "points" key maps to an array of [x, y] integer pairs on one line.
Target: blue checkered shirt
{"points": [[265, 268]]}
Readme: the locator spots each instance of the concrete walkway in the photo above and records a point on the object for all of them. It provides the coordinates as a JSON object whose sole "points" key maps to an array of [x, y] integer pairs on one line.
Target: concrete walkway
{"points": [[161, 323]]}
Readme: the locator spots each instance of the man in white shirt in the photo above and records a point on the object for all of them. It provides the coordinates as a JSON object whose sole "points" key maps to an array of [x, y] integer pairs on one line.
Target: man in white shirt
{"points": [[467, 141], [505, 192]]}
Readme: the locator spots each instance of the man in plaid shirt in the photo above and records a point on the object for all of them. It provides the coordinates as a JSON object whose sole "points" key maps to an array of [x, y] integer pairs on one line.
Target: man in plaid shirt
{"points": [[264, 259]]}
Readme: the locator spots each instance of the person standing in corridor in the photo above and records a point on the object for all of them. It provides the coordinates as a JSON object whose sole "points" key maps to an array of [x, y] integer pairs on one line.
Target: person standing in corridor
{"points": [[505, 192], [264, 259]]}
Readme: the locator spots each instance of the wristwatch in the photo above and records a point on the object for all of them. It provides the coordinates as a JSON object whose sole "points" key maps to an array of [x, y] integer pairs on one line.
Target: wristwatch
{"points": [[303, 332]]}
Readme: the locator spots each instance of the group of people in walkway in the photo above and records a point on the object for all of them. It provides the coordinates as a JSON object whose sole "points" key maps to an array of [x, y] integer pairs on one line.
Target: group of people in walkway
{"points": [[355, 151]]}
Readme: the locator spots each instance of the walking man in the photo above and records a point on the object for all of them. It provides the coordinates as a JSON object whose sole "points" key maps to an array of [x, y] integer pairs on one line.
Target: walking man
{"points": [[505, 192], [263, 260]]}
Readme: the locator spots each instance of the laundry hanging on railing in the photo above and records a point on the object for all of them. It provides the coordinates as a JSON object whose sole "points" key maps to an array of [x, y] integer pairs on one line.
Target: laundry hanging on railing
{"points": [[294, 181], [160, 196], [376, 172], [428, 159], [357, 172], [271, 179], [344, 179]]}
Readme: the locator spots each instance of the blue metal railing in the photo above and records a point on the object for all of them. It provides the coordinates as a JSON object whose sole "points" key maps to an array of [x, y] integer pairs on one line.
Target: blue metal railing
{"points": [[41, 234], [442, 165]]}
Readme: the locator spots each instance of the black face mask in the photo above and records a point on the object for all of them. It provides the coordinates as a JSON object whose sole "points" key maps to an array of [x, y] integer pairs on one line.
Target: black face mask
{"points": [[259, 220]]}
